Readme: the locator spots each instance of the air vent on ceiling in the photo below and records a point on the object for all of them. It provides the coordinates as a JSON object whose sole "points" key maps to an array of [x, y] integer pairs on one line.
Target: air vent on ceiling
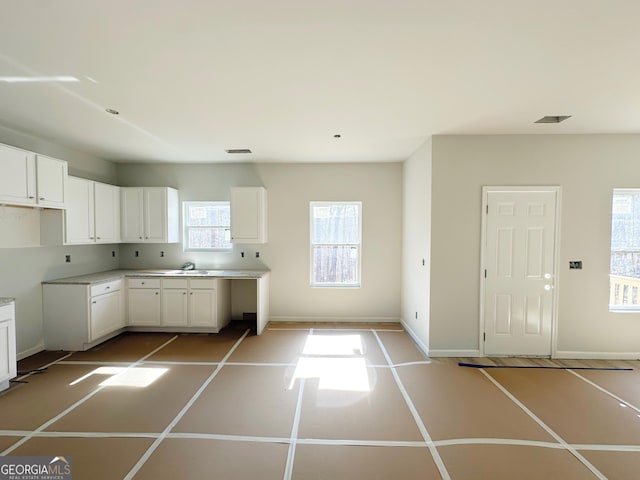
{"points": [[553, 119], [238, 150]]}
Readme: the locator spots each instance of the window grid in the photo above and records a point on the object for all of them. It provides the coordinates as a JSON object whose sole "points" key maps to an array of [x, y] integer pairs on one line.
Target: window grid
{"points": [[206, 226], [624, 272], [335, 238]]}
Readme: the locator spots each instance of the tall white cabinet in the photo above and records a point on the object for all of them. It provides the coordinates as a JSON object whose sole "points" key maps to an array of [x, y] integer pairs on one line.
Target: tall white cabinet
{"points": [[248, 215], [149, 215], [8, 364], [31, 180]]}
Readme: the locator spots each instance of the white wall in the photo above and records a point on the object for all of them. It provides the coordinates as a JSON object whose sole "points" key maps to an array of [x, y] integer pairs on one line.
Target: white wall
{"points": [[588, 168], [416, 244], [290, 188], [24, 264]]}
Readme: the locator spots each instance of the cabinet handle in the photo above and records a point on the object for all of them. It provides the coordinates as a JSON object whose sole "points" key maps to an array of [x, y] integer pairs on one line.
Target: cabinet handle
{"points": [[97, 238], [94, 302], [42, 198], [140, 238], [31, 197], [90, 238], [156, 293], [108, 287]]}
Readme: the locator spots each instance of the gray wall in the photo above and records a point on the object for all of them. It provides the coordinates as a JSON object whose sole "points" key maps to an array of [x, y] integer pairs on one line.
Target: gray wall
{"points": [[22, 269], [416, 244], [290, 187], [588, 168]]}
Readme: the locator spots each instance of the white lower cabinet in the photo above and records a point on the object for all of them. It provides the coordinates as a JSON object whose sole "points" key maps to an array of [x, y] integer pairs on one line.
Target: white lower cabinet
{"points": [[194, 303], [8, 364], [77, 317], [175, 303], [143, 302]]}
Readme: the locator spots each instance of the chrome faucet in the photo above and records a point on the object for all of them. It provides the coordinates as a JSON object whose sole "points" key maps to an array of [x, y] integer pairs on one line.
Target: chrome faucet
{"points": [[188, 266]]}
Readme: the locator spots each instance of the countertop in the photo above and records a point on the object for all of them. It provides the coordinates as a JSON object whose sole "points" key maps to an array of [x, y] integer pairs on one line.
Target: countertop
{"points": [[100, 277], [6, 300]]}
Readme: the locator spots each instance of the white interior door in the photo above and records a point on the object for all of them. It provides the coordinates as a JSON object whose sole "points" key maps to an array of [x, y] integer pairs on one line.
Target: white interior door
{"points": [[519, 262]]}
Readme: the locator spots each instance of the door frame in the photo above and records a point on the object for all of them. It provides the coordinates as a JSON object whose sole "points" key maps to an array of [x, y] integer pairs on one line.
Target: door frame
{"points": [[557, 189]]}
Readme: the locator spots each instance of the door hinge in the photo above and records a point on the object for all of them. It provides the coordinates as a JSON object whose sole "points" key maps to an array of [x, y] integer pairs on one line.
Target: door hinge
{"points": [[484, 337], [485, 273], [487, 209]]}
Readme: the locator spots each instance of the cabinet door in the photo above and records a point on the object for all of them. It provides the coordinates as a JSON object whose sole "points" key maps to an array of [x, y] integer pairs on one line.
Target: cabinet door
{"points": [[174, 307], [143, 306], [202, 308], [131, 211], [106, 314], [18, 179], [248, 215], [79, 217], [155, 215], [7, 343], [52, 174], [107, 213]]}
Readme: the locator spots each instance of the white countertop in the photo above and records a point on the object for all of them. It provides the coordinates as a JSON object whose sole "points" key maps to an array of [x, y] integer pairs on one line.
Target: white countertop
{"points": [[100, 277]]}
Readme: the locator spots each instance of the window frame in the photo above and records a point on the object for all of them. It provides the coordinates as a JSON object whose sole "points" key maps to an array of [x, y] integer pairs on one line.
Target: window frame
{"points": [[615, 289], [312, 283], [186, 228]]}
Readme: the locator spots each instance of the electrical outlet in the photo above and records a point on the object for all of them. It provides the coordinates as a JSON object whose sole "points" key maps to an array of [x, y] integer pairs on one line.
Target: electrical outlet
{"points": [[257, 254], [575, 265], [137, 253], [416, 314], [67, 258], [113, 253], [162, 253]]}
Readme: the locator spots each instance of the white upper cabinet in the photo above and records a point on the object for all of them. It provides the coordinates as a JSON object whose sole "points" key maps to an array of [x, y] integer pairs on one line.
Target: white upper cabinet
{"points": [[30, 179], [93, 212], [51, 177], [18, 179], [106, 201], [149, 215], [79, 215], [248, 215]]}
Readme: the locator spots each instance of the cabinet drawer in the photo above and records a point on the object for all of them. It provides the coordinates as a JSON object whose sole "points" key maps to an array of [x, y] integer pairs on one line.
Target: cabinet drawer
{"points": [[203, 283], [143, 283], [182, 283], [106, 287]]}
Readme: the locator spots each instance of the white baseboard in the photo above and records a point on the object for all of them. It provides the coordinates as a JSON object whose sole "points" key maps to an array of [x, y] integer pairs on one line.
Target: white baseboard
{"points": [[569, 355], [456, 353], [294, 319], [421, 345], [31, 351]]}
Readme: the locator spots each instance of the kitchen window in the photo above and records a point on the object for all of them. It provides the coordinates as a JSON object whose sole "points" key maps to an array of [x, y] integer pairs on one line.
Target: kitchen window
{"points": [[336, 243], [207, 226], [624, 272]]}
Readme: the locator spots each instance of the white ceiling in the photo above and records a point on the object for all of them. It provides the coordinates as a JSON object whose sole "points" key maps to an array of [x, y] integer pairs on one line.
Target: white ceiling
{"points": [[192, 78]]}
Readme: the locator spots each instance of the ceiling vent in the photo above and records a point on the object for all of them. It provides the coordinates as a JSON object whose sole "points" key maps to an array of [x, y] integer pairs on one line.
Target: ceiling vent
{"points": [[553, 119], [238, 150]]}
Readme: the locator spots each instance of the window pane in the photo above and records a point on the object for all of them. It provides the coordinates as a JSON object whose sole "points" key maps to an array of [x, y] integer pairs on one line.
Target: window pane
{"points": [[336, 223], [212, 215], [625, 249], [208, 238], [335, 265]]}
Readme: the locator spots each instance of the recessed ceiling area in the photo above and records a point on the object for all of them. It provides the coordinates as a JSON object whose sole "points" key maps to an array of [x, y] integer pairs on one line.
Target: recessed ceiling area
{"points": [[192, 78]]}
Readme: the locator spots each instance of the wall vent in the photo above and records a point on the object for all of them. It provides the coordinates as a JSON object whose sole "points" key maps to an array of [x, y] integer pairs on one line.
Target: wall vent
{"points": [[553, 119], [238, 150]]}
